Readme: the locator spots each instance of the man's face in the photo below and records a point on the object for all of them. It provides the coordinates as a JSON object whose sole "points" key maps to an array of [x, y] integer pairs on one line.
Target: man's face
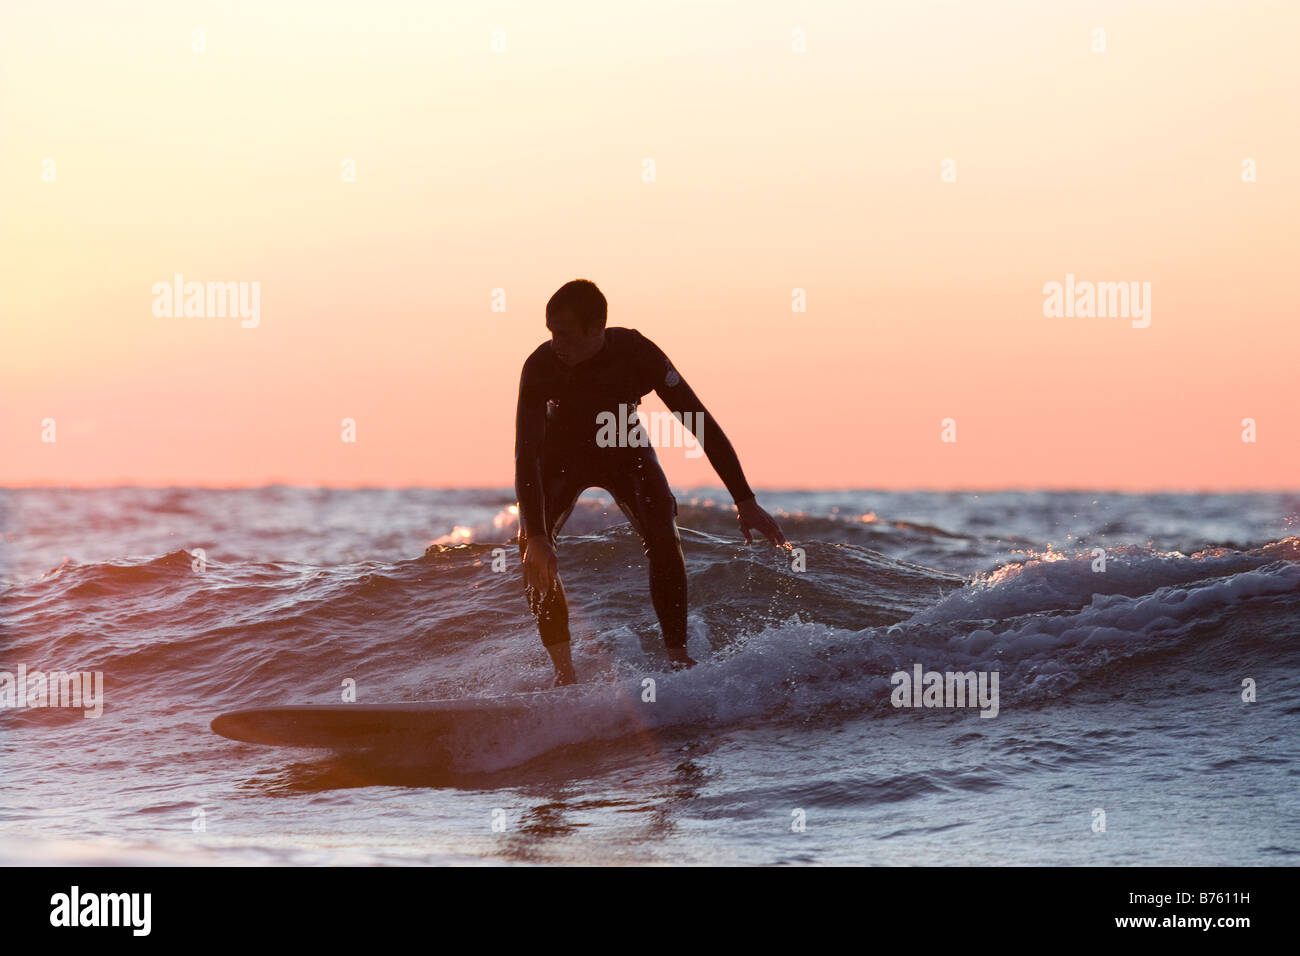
{"points": [[569, 341]]}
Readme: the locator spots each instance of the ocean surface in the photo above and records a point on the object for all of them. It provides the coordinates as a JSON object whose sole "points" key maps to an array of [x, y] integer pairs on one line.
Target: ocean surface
{"points": [[1124, 630]]}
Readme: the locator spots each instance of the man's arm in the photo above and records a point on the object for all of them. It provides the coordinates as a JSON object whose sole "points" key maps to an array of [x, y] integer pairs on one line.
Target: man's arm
{"points": [[530, 429], [681, 398]]}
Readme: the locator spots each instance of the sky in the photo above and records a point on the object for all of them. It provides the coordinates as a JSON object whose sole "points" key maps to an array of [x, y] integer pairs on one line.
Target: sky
{"points": [[839, 220]]}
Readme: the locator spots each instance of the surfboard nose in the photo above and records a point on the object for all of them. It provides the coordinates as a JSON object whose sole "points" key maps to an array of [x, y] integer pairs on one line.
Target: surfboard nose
{"points": [[240, 725]]}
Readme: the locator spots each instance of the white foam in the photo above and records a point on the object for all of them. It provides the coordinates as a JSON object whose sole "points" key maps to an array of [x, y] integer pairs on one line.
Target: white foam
{"points": [[805, 670]]}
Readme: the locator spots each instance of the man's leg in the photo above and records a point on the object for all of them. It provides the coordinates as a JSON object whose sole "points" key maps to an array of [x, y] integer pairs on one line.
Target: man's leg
{"points": [[551, 609], [642, 493]]}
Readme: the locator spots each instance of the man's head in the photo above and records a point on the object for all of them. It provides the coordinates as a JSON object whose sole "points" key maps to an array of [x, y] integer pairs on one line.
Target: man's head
{"points": [[576, 317]]}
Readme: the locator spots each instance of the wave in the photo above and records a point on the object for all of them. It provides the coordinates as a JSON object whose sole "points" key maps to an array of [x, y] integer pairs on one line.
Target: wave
{"points": [[776, 643]]}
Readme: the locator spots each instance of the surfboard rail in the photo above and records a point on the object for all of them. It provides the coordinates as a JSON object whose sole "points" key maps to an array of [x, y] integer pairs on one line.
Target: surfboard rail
{"points": [[357, 725]]}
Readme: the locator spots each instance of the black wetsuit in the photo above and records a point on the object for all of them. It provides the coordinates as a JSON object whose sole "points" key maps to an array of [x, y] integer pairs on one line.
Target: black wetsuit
{"points": [[558, 456]]}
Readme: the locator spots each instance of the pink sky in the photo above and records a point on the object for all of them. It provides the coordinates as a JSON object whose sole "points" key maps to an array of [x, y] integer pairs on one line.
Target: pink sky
{"points": [[774, 170]]}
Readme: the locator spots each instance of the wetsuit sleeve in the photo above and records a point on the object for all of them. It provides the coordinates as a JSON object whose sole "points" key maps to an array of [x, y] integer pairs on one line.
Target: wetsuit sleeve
{"points": [[679, 397], [530, 429]]}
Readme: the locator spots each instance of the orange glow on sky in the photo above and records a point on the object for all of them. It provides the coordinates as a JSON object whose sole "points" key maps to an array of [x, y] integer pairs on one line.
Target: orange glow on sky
{"points": [[522, 168]]}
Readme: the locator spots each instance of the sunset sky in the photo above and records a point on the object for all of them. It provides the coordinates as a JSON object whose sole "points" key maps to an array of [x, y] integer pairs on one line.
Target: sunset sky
{"points": [[212, 140]]}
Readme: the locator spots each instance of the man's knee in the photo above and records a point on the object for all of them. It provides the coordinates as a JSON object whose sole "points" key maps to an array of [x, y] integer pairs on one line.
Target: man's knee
{"points": [[662, 539]]}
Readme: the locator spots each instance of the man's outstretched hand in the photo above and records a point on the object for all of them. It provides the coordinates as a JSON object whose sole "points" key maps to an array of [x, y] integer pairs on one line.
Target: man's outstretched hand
{"points": [[541, 567], [750, 516]]}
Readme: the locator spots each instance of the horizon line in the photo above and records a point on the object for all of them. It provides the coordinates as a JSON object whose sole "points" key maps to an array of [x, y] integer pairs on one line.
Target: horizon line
{"points": [[986, 489]]}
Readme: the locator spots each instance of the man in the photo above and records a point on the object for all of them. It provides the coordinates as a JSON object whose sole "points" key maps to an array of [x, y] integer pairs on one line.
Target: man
{"points": [[566, 385]]}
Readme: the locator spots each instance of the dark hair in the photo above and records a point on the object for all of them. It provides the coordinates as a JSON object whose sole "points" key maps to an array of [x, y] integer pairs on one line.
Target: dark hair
{"points": [[584, 300]]}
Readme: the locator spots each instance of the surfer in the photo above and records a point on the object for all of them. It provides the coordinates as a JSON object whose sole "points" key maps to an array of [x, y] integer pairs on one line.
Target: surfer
{"points": [[586, 374]]}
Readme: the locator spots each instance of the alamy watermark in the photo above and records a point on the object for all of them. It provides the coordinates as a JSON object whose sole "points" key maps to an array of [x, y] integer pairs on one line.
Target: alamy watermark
{"points": [[84, 689], [1086, 300], [949, 689], [75, 908], [208, 300], [666, 430]]}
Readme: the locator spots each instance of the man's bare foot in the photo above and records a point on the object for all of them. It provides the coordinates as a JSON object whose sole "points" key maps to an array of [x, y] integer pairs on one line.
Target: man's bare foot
{"points": [[679, 659], [563, 661]]}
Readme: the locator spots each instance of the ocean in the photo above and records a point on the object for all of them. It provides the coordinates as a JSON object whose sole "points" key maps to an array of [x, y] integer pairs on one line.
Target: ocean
{"points": [[1146, 649]]}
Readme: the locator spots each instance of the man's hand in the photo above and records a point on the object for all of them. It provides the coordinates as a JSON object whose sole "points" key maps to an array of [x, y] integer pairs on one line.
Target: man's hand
{"points": [[750, 516], [541, 568]]}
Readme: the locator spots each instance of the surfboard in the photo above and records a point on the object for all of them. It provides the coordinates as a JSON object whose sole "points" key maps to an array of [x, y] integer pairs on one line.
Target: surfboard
{"points": [[369, 725]]}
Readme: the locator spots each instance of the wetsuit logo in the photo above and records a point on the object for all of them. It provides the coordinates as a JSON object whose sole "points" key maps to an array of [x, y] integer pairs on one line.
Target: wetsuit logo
{"points": [[667, 430]]}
